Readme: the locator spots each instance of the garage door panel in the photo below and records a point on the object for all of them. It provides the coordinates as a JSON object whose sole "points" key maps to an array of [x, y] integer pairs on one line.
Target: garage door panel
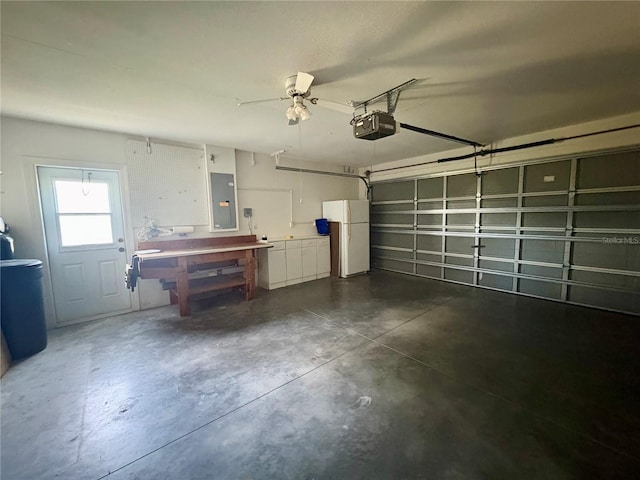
{"points": [[546, 201], [493, 265], [501, 282], [430, 187], [542, 251], [461, 185], [384, 192], [611, 220], [459, 245], [623, 301], [392, 239], [429, 220], [503, 181], [498, 247], [611, 170], [431, 243], [540, 288], [429, 271], [397, 254], [547, 177], [462, 276], [394, 265], [618, 256]]}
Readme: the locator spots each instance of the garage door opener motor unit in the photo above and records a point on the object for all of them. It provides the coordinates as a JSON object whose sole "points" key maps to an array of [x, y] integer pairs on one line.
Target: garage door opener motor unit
{"points": [[378, 124], [374, 125]]}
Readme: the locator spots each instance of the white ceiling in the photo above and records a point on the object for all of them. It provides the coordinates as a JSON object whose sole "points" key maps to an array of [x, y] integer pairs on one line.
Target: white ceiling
{"points": [[173, 70]]}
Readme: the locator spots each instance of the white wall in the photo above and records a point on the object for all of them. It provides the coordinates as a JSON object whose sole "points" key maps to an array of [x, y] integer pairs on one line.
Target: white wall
{"points": [[25, 144], [284, 202], [594, 143]]}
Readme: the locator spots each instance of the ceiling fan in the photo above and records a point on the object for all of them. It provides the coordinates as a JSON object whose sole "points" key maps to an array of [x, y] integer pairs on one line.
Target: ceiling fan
{"points": [[297, 89]]}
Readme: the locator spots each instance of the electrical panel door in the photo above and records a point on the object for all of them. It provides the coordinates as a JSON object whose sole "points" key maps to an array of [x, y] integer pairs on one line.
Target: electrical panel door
{"points": [[223, 194]]}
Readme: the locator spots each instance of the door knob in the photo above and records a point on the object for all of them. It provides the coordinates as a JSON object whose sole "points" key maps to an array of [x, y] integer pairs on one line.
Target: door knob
{"points": [[121, 240], [121, 249]]}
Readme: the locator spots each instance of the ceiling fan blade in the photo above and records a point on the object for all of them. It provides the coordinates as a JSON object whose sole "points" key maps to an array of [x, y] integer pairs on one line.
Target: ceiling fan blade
{"points": [[294, 122], [265, 100], [303, 81], [331, 105]]}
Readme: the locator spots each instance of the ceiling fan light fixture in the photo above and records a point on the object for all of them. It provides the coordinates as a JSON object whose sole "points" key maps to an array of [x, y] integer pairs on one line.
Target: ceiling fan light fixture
{"points": [[304, 113], [291, 113]]}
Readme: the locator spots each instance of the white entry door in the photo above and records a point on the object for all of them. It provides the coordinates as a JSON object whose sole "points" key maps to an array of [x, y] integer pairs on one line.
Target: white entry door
{"points": [[84, 229]]}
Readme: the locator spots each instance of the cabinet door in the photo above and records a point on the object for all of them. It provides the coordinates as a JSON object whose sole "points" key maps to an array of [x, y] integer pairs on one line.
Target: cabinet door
{"points": [[309, 262], [324, 259], [277, 266], [294, 265]]}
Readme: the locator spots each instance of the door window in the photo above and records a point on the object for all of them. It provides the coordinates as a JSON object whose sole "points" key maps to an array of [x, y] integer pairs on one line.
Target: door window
{"points": [[83, 210]]}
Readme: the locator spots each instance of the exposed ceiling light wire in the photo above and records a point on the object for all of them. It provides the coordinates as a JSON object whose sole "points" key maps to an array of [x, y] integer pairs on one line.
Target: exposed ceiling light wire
{"points": [[299, 160], [373, 155]]}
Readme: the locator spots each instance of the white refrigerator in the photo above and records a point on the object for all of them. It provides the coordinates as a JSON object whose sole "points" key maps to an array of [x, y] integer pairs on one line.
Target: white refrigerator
{"points": [[353, 216]]}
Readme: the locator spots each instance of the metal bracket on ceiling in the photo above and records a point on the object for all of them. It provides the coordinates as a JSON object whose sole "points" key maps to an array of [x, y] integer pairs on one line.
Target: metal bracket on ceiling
{"points": [[392, 96], [392, 101], [277, 155]]}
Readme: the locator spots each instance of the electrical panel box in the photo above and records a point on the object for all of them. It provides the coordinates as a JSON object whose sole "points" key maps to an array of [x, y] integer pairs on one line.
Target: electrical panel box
{"points": [[223, 193], [220, 166], [374, 125]]}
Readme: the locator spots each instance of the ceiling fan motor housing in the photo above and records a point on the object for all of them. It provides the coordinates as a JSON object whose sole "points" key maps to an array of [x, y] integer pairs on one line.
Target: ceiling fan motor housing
{"points": [[290, 88]]}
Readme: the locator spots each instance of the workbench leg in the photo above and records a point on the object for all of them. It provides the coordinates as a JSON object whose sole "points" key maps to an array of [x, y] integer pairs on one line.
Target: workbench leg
{"points": [[182, 287], [250, 274], [173, 297]]}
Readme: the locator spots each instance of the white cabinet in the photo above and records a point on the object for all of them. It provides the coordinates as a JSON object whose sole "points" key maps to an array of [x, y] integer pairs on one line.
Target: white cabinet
{"points": [[309, 260], [293, 261], [272, 266], [323, 257]]}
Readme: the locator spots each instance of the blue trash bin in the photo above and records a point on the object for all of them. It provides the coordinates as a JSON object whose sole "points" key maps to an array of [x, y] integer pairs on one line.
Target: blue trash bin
{"points": [[322, 224], [22, 310]]}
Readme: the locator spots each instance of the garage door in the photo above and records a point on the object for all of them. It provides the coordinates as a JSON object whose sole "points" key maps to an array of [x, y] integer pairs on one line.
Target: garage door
{"points": [[566, 229]]}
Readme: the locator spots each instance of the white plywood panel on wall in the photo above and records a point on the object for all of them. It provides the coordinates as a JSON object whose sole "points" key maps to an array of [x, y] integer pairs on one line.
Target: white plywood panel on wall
{"points": [[284, 202], [271, 210], [170, 184]]}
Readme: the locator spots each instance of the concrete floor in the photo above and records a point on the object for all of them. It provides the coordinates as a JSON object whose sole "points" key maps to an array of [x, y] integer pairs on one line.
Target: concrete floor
{"points": [[382, 376]]}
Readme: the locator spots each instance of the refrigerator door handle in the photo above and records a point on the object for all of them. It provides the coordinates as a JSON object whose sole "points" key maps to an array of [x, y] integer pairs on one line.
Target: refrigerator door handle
{"points": [[348, 212]]}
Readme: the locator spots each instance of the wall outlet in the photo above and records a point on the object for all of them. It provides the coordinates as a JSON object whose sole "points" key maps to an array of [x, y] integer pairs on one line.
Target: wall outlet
{"points": [[248, 212]]}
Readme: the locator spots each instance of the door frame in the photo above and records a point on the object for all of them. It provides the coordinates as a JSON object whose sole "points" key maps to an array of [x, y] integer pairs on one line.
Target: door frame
{"points": [[31, 164]]}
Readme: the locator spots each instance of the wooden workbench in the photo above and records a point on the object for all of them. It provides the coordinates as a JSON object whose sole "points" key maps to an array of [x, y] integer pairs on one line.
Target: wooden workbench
{"points": [[180, 258]]}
